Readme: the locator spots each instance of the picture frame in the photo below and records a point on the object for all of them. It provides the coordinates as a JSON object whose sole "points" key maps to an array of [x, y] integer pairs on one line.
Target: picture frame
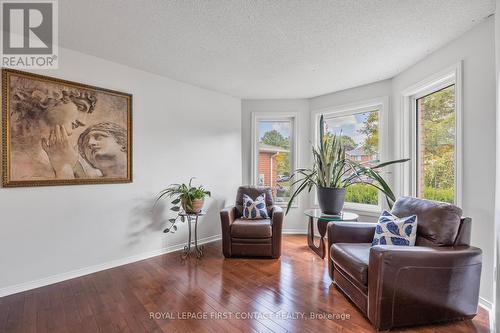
{"points": [[59, 132]]}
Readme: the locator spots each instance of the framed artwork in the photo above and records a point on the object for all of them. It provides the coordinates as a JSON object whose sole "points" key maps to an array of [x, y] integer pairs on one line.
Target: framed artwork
{"points": [[57, 132]]}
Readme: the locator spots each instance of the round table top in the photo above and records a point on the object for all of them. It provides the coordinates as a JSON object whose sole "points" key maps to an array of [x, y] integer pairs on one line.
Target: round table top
{"points": [[344, 216], [200, 213]]}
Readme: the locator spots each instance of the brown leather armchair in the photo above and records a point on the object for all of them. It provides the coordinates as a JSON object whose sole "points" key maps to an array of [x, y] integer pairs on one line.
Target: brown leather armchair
{"points": [[436, 280], [251, 238]]}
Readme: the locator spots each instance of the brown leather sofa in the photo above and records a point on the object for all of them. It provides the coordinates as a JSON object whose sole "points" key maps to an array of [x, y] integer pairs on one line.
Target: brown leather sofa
{"points": [[251, 238], [437, 280]]}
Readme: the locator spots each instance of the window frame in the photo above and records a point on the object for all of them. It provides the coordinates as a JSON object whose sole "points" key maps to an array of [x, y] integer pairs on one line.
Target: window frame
{"points": [[381, 104], [442, 79], [294, 150]]}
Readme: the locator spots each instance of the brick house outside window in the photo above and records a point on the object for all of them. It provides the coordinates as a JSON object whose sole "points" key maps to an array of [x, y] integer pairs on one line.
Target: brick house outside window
{"points": [[268, 172]]}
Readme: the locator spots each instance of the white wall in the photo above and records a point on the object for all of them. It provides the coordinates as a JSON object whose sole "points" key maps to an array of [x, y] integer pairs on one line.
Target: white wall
{"points": [[295, 221], [179, 131], [497, 182], [365, 92], [476, 49]]}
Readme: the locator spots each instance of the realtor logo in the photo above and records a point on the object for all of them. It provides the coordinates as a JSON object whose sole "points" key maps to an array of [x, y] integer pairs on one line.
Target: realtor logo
{"points": [[29, 34]]}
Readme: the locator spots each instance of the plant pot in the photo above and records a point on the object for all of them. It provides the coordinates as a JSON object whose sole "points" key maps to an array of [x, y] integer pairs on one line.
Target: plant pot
{"points": [[331, 200], [197, 206]]}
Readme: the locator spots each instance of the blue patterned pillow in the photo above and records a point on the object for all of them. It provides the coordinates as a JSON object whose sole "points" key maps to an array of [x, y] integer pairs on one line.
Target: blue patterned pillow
{"points": [[254, 209], [392, 230]]}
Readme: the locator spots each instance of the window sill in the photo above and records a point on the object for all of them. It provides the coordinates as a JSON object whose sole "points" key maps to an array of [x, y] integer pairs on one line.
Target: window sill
{"points": [[364, 212], [284, 204]]}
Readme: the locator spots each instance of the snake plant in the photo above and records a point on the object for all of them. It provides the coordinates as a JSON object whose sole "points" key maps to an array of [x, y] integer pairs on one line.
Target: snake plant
{"points": [[332, 169]]}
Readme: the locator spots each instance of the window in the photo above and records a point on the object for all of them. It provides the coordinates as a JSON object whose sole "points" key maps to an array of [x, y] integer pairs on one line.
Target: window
{"points": [[435, 152], [364, 135], [360, 136], [274, 151], [431, 125]]}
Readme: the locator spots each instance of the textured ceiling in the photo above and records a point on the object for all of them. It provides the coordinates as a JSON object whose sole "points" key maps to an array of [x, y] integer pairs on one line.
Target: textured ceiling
{"points": [[264, 48]]}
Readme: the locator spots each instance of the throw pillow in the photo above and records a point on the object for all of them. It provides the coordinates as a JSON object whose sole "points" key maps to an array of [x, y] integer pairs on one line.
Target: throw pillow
{"points": [[254, 209], [393, 230]]}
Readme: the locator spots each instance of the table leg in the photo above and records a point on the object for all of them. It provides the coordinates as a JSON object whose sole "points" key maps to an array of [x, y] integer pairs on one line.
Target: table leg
{"points": [[319, 250], [187, 248], [322, 226], [199, 249]]}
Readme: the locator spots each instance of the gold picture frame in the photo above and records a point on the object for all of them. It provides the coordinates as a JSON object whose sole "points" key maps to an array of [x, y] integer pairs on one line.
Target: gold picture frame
{"points": [[59, 132]]}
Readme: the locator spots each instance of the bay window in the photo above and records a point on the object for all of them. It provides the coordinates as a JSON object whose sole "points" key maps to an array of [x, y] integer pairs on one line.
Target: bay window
{"points": [[361, 127], [432, 121], [274, 153]]}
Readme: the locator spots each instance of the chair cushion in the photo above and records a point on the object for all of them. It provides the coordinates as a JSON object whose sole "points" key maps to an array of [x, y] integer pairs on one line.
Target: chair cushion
{"points": [[241, 228], [353, 259], [438, 222]]}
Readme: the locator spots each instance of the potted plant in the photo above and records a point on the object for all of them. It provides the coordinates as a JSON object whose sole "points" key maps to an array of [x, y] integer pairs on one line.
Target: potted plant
{"points": [[332, 173], [187, 197]]}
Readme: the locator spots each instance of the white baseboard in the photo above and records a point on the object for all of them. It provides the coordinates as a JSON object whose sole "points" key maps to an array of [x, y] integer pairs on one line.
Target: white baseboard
{"points": [[17, 288], [14, 289], [294, 231], [488, 306]]}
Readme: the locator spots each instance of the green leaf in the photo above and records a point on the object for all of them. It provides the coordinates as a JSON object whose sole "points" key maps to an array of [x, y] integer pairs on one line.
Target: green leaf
{"points": [[321, 132], [297, 191], [381, 165], [175, 208]]}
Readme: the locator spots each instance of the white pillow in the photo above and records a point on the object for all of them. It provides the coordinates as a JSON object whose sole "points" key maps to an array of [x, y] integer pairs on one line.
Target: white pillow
{"points": [[393, 230], [254, 209]]}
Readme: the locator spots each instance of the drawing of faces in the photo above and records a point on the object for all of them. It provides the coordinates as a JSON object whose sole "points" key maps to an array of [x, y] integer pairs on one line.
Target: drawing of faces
{"points": [[37, 112], [104, 147]]}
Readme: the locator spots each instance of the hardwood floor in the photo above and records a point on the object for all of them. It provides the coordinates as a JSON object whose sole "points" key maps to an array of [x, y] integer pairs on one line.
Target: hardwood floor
{"points": [[122, 299]]}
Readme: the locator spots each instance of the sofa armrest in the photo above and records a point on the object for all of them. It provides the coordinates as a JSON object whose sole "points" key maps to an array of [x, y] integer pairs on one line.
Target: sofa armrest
{"points": [[416, 284], [227, 217], [277, 225], [277, 215]]}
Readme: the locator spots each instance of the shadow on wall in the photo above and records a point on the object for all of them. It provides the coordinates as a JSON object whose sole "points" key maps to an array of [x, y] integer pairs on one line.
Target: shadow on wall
{"points": [[210, 225], [146, 218]]}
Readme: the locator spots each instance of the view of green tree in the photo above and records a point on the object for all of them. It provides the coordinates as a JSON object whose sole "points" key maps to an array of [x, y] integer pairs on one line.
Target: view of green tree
{"points": [[274, 138], [370, 129], [360, 193], [348, 142], [437, 133], [283, 163]]}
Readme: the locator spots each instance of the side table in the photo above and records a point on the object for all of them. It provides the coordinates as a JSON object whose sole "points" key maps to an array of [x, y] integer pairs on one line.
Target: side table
{"points": [[192, 218], [322, 223]]}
